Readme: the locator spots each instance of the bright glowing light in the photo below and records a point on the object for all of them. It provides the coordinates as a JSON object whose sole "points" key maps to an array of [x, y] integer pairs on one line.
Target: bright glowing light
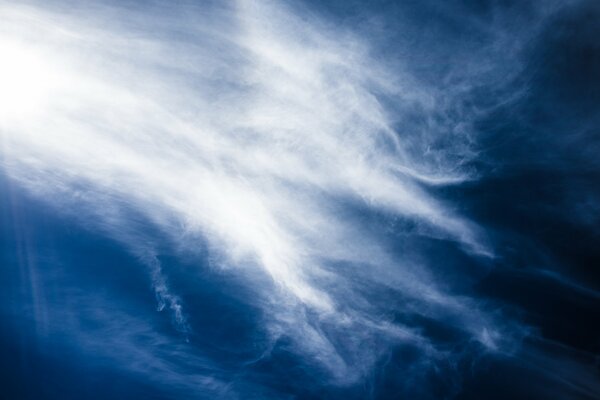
{"points": [[25, 81]]}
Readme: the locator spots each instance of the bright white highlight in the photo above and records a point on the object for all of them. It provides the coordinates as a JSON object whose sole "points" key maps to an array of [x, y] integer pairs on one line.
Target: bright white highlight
{"points": [[25, 81]]}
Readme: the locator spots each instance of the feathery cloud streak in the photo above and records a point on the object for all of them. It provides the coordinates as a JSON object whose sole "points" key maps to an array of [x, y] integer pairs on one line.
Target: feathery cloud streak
{"points": [[259, 131]]}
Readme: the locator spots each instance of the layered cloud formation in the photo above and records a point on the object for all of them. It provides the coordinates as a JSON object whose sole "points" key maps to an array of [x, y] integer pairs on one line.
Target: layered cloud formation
{"points": [[266, 143]]}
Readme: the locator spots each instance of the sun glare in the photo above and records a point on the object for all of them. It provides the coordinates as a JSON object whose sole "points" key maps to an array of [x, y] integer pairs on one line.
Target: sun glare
{"points": [[25, 81]]}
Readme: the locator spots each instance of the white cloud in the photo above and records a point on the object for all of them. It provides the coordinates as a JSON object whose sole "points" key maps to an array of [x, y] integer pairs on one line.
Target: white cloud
{"points": [[249, 128]]}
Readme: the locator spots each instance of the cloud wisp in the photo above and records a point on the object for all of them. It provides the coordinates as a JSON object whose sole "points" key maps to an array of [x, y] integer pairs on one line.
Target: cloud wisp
{"points": [[256, 131]]}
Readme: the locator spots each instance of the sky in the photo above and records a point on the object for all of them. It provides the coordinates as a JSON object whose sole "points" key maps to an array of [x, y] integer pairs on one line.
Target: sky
{"points": [[299, 199]]}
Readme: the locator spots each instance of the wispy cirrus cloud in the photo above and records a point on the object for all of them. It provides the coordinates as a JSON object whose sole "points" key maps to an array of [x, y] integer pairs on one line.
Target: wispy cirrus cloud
{"points": [[262, 133]]}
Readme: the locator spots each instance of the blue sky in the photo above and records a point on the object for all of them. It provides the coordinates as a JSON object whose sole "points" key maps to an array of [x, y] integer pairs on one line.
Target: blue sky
{"points": [[299, 200]]}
